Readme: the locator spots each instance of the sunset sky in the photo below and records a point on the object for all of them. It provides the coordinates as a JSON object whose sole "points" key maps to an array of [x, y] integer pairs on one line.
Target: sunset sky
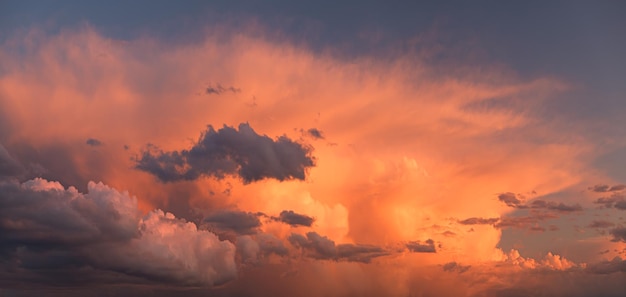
{"points": [[312, 148]]}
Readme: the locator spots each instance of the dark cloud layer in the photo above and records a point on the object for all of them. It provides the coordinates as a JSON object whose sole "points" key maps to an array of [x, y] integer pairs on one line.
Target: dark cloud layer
{"points": [[321, 247], [294, 219], [479, 221], [229, 151], [517, 201], [529, 221], [616, 200], [455, 267], [427, 246], [52, 236], [315, 133], [607, 267], [93, 142], [219, 89], [510, 199], [607, 188], [619, 234], [550, 205], [9, 167], [601, 224], [235, 221]]}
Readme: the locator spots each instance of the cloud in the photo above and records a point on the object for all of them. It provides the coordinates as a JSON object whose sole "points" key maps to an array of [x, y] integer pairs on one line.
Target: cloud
{"points": [[455, 267], [550, 205], [479, 221], [219, 89], [48, 231], [600, 224], [524, 221], [510, 199], [619, 234], [235, 221], [427, 246], [516, 201], [253, 248], [93, 142], [229, 151], [617, 200], [314, 133], [294, 219], [321, 247], [607, 267], [550, 261], [9, 167], [270, 244], [606, 188]]}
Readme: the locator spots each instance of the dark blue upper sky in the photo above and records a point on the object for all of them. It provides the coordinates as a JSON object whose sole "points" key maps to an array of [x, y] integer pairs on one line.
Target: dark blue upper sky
{"points": [[580, 40]]}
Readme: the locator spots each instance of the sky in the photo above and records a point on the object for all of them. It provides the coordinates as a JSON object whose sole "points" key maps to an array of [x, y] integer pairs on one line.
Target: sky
{"points": [[312, 148]]}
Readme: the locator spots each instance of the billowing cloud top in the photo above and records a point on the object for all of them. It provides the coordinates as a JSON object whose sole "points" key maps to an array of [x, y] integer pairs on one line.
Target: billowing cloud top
{"points": [[229, 151]]}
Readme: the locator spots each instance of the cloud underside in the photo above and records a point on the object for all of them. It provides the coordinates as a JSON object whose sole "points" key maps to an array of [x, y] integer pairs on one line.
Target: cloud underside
{"points": [[321, 247], [58, 237], [229, 151]]}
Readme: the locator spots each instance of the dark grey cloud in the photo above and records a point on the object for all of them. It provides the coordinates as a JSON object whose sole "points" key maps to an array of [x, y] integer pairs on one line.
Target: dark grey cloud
{"points": [[619, 234], [61, 162], [53, 236], [479, 221], [219, 89], [427, 246], [524, 221], [9, 167], [269, 244], [294, 219], [607, 267], [510, 199], [239, 222], [363, 253], [229, 151], [321, 247], [314, 133], [551, 205], [253, 248], [93, 142], [455, 267], [517, 201], [606, 188], [600, 224], [616, 200]]}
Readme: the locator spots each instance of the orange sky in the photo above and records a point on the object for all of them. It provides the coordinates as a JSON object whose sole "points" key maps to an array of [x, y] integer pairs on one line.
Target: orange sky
{"points": [[408, 150]]}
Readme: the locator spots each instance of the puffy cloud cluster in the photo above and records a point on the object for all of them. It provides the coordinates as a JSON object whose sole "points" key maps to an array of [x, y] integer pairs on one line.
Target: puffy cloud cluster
{"points": [[230, 151], [47, 230], [550, 261]]}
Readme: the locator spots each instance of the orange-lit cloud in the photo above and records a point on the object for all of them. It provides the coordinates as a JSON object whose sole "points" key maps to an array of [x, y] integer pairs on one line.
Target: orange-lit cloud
{"points": [[389, 162]]}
